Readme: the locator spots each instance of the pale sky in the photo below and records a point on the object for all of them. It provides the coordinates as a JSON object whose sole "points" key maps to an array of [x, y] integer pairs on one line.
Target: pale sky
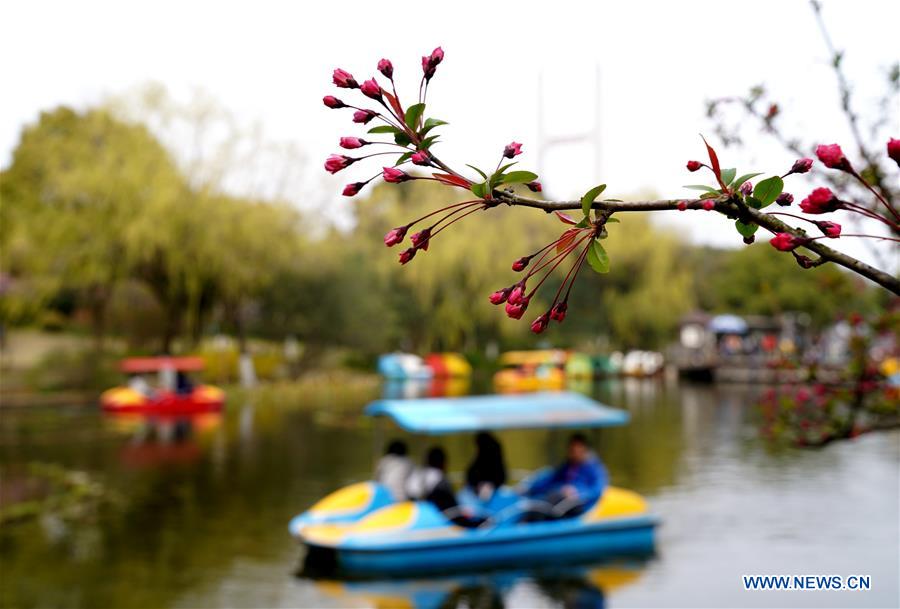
{"points": [[270, 63]]}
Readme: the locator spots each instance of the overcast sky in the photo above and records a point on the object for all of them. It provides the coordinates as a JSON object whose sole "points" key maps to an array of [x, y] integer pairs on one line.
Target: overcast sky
{"points": [[271, 63]]}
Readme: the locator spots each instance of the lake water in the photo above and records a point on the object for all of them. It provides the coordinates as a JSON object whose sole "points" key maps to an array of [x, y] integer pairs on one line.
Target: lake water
{"points": [[202, 515]]}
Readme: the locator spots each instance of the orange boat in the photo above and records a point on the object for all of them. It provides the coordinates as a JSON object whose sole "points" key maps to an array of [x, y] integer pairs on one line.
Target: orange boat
{"points": [[174, 393]]}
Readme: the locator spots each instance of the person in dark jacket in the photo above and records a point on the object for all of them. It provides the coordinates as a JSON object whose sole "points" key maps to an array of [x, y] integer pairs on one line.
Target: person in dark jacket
{"points": [[438, 491], [487, 471], [574, 485]]}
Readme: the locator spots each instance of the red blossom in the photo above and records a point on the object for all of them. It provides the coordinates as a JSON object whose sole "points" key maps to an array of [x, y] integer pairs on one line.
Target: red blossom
{"points": [[829, 229], [534, 186], [332, 102], [512, 149], [420, 239], [500, 296], [353, 188], [521, 263], [747, 188], [407, 255], [832, 157], [820, 201], [786, 242], [351, 143], [363, 116], [394, 176], [801, 166], [558, 312], [420, 157], [336, 162], [694, 165], [395, 236], [430, 62], [371, 88], [785, 199], [709, 205], [344, 79], [893, 150], [517, 294], [540, 324], [386, 67], [515, 310], [682, 205]]}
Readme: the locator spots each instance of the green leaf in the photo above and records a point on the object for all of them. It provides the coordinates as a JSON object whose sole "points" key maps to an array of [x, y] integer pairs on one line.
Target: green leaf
{"points": [[402, 139], [584, 223], [768, 190], [428, 141], [728, 175], [746, 230], [597, 257], [588, 199], [431, 123], [710, 195], [384, 129], [518, 177], [403, 158], [701, 187], [479, 189], [608, 220], [507, 166], [481, 173], [753, 202], [412, 115], [738, 181]]}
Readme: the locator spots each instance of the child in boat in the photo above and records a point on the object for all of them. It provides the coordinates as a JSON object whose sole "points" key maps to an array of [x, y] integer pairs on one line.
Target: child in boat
{"points": [[487, 471], [573, 486], [394, 468], [431, 484]]}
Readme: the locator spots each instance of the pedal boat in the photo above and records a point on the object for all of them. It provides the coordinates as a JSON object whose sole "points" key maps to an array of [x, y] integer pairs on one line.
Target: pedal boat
{"points": [[359, 531], [165, 400]]}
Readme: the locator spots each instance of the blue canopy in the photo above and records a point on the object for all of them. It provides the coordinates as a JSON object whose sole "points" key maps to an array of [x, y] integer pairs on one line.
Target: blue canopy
{"points": [[728, 324], [489, 412]]}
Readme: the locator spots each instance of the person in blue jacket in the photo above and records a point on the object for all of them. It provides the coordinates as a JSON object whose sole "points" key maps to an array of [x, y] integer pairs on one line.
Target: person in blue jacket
{"points": [[573, 486]]}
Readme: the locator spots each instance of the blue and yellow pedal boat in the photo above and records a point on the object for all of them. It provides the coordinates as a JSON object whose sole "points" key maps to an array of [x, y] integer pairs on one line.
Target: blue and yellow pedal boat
{"points": [[361, 531]]}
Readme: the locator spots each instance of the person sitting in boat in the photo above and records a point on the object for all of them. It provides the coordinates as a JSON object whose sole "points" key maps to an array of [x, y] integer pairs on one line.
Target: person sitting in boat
{"points": [[430, 484], [183, 384], [394, 468], [573, 486], [139, 385], [487, 471]]}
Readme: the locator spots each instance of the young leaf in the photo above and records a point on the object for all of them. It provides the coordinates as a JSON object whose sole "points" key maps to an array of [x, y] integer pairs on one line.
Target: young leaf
{"points": [[701, 187], [478, 189], [431, 123], [584, 223], [412, 115], [768, 190], [402, 139], [588, 199], [383, 129], [608, 220], [597, 257], [481, 173], [518, 177], [714, 162], [507, 166], [398, 109], [403, 158], [728, 175], [428, 141], [566, 239], [738, 181], [446, 178], [565, 218], [745, 230]]}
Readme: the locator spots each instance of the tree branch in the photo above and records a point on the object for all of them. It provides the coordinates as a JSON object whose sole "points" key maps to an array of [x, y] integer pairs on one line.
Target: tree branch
{"points": [[727, 207]]}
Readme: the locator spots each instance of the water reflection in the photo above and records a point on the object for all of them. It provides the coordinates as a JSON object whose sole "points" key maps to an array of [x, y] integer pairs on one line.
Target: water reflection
{"points": [[581, 587]]}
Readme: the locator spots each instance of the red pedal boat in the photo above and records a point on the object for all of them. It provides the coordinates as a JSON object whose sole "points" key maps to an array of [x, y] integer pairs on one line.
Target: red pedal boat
{"points": [[174, 393]]}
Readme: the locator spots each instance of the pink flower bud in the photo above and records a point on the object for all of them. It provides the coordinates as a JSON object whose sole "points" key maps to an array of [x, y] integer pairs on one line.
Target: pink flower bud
{"points": [[515, 310], [832, 157], [709, 205], [512, 149], [500, 296], [344, 79], [558, 312], [420, 239], [407, 255], [801, 166], [332, 102], [829, 229], [336, 162], [786, 242], [819, 201], [430, 62], [521, 263], [747, 189], [517, 294], [363, 116], [351, 143], [393, 175], [785, 199], [386, 67], [893, 150], [395, 236], [682, 205], [352, 189], [694, 165], [420, 157], [534, 186], [540, 324], [437, 56], [371, 88]]}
